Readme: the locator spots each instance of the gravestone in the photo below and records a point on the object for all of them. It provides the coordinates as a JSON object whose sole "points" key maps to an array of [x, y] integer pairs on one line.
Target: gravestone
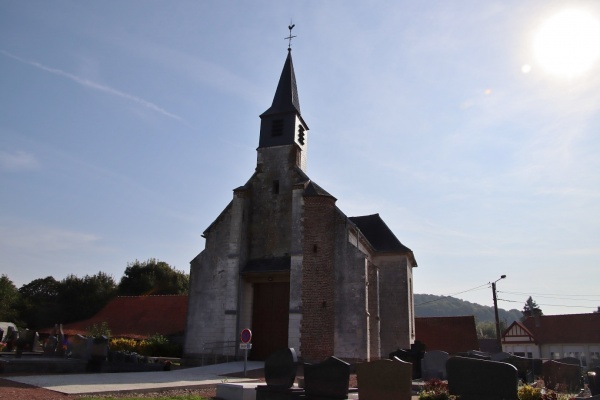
{"points": [[80, 347], [11, 338], [570, 360], [61, 346], [562, 377], [384, 380], [280, 374], [50, 346], [594, 381], [327, 380], [99, 353], [410, 356], [474, 379], [500, 356], [434, 365], [480, 355], [528, 368]]}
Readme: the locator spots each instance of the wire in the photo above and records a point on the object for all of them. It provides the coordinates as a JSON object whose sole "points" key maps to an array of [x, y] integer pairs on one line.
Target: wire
{"points": [[554, 297], [551, 305]]}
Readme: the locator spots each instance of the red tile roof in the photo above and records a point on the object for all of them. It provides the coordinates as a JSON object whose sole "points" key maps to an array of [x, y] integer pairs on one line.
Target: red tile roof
{"points": [[449, 334], [567, 328], [138, 317]]}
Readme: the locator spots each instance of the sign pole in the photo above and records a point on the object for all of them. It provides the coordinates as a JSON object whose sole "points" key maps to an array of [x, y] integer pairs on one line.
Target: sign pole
{"points": [[245, 338]]}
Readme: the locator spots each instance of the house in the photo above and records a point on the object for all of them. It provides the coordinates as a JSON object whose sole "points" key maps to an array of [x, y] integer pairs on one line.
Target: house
{"points": [[556, 336], [282, 260], [138, 317], [450, 334]]}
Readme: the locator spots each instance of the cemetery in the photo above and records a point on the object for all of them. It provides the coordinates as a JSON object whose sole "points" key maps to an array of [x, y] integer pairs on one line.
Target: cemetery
{"points": [[405, 374], [24, 352]]}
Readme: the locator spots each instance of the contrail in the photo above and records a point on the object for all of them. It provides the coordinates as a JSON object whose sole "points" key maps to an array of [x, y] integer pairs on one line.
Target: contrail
{"points": [[94, 85]]}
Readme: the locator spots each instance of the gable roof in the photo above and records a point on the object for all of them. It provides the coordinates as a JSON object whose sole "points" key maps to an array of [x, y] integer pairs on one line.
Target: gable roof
{"points": [[138, 317], [450, 334], [566, 328], [379, 235]]}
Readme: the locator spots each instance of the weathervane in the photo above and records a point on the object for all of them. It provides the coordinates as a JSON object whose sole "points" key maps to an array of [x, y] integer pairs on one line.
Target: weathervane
{"points": [[289, 38]]}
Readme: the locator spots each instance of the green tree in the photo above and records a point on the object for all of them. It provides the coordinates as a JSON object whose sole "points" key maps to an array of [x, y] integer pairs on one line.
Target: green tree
{"points": [[9, 297], [152, 277], [38, 303], [531, 308], [81, 298], [487, 329]]}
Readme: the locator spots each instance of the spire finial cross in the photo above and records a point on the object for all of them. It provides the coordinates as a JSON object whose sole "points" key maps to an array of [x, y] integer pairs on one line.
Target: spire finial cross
{"points": [[289, 38]]}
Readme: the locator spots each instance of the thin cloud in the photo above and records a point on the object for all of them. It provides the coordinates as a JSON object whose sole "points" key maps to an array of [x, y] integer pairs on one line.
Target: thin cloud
{"points": [[17, 161], [96, 86]]}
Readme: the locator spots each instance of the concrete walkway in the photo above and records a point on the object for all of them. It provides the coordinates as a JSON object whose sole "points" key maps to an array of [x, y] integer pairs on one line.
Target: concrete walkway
{"points": [[140, 381]]}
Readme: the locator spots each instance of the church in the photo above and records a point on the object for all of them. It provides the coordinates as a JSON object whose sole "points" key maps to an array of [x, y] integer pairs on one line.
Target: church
{"points": [[283, 261]]}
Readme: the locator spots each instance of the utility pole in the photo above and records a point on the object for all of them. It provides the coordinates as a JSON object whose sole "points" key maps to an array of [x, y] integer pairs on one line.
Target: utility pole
{"points": [[498, 339]]}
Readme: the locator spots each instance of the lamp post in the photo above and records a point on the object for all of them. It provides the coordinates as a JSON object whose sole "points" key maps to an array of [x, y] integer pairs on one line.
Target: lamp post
{"points": [[496, 313]]}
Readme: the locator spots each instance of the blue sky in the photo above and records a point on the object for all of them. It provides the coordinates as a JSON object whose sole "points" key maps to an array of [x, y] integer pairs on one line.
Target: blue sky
{"points": [[125, 126]]}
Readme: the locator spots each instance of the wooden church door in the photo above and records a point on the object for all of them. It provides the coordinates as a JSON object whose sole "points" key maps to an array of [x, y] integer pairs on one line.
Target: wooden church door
{"points": [[270, 318]]}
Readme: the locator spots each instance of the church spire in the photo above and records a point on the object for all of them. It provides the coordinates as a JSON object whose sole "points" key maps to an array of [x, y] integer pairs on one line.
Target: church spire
{"points": [[286, 95], [282, 124]]}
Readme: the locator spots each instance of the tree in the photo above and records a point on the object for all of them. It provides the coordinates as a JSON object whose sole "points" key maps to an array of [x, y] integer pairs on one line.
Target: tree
{"points": [[9, 297], [81, 298], [531, 308], [38, 303], [152, 277]]}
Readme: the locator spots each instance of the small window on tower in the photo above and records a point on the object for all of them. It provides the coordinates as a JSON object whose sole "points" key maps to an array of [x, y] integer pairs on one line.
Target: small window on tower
{"points": [[275, 187], [300, 134], [277, 127]]}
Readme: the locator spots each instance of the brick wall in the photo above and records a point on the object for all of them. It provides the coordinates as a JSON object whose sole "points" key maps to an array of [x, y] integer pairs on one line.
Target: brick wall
{"points": [[318, 280]]}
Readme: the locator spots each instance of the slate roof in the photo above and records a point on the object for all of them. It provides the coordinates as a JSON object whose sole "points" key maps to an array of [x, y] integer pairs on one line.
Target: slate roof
{"points": [[138, 317], [378, 234], [565, 328], [286, 95], [450, 334]]}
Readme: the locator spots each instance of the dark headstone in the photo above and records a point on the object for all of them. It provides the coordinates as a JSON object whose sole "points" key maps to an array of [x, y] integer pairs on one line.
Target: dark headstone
{"points": [[50, 346], [99, 353], [474, 379], [528, 368], [570, 360], [80, 347], [412, 356], [327, 380], [562, 377], [280, 374], [500, 356], [433, 365], [480, 355], [384, 380], [593, 376], [280, 368]]}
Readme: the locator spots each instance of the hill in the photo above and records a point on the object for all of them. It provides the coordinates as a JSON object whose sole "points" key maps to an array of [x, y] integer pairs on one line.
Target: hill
{"points": [[429, 305]]}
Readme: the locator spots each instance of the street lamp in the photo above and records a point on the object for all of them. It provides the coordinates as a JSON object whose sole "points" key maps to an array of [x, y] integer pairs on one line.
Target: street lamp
{"points": [[499, 341]]}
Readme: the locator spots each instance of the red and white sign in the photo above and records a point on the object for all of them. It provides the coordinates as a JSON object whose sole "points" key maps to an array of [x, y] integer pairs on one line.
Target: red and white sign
{"points": [[246, 335]]}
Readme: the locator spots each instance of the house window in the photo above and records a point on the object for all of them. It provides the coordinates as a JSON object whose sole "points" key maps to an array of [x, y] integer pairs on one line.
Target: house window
{"points": [[554, 355], [300, 134], [277, 127], [275, 187]]}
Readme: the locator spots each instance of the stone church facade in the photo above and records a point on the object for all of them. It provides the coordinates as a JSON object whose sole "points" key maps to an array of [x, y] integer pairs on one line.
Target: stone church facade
{"points": [[282, 260]]}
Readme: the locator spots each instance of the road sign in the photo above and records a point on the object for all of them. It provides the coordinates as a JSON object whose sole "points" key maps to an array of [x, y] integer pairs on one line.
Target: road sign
{"points": [[246, 335], [245, 346]]}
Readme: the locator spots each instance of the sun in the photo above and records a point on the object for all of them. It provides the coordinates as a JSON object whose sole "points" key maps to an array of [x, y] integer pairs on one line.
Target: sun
{"points": [[568, 43]]}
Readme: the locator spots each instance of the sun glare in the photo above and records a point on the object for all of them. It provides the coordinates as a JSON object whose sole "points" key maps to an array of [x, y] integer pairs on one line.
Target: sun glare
{"points": [[568, 43]]}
